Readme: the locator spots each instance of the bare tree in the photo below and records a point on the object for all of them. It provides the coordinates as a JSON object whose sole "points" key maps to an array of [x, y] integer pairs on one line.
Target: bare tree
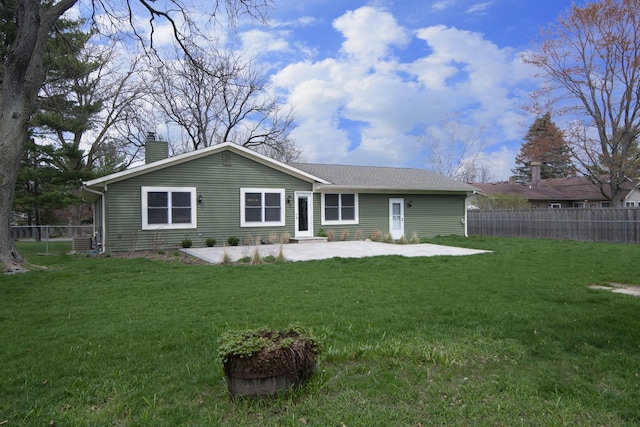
{"points": [[475, 172], [590, 61], [26, 27], [454, 149], [108, 108], [216, 97], [124, 120]]}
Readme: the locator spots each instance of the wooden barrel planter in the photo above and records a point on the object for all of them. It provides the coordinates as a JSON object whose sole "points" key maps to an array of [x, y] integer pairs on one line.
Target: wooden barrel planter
{"points": [[252, 384], [263, 362]]}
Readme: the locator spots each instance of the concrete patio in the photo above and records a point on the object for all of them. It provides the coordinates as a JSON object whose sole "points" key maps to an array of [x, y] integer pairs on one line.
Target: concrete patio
{"points": [[325, 250]]}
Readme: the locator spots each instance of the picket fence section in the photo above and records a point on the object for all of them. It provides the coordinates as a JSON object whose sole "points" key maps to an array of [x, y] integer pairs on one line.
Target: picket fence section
{"points": [[598, 225]]}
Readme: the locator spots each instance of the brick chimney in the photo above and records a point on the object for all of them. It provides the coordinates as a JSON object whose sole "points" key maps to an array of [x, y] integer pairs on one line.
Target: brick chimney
{"points": [[155, 150], [535, 173]]}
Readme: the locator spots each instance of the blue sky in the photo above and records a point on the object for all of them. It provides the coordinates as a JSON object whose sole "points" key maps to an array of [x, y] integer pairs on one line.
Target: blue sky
{"points": [[365, 77]]}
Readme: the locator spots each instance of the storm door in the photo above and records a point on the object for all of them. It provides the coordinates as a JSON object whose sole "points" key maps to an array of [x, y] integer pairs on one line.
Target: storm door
{"points": [[304, 215], [396, 218]]}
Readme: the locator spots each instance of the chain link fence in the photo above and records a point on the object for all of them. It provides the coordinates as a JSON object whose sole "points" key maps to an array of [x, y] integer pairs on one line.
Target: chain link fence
{"points": [[84, 237]]}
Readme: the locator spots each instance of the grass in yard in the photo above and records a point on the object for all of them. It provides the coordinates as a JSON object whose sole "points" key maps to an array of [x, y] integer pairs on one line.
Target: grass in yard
{"points": [[505, 338]]}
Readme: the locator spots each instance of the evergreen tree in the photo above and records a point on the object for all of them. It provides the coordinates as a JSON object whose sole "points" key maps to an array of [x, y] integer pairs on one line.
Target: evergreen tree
{"points": [[544, 143], [42, 188]]}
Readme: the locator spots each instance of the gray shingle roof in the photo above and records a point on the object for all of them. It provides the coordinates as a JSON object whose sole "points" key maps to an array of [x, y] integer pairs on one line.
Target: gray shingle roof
{"points": [[382, 178]]}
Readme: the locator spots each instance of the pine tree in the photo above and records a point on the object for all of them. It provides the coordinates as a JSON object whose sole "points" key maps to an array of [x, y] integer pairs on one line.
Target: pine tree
{"points": [[544, 143]]}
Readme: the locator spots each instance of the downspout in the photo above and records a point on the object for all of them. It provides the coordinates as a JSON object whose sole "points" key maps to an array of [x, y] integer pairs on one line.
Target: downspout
{"points": [[466, 211], [104, 221], [466, 232]]}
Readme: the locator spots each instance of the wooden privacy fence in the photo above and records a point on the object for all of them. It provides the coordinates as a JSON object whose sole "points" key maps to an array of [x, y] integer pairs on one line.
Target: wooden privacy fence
{"points": [[599, 225]]}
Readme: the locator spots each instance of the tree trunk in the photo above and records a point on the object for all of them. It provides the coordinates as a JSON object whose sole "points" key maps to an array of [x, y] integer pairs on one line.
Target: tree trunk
{"points": [[22, 77], [615, 189], [13, 123], [9, 257]]}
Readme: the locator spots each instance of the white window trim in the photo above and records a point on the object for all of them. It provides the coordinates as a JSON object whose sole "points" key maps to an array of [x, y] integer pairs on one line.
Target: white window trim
{"points": [[263, 223], [555, 205], [579, 204], [145, 212], [630, 204], [355, 220]]}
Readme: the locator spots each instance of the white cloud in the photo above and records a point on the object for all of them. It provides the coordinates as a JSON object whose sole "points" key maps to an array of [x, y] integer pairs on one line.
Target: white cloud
{"points": [[317, 99], [370, 33], [500, 161], [259, 42], [442, 5], [324, 142], [364, 105], [304, 21], [478, 8], [476, 71]]}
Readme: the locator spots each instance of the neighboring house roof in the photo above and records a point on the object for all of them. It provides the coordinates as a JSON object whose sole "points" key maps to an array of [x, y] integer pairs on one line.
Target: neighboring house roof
{"points": [[324, 176], [583, 186], [575, 188], [530, 192], [377, 178]]}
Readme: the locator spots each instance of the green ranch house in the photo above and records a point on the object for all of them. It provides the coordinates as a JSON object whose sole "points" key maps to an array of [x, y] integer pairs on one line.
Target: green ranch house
{"points": [[227, 191]]}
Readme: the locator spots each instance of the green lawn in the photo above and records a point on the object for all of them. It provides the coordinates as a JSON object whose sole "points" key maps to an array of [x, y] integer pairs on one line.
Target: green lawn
{"points": [[514, 337]]}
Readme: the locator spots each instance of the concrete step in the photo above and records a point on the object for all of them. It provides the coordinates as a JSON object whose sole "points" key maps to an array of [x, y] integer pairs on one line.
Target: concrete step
{"points": [[308, 240]]}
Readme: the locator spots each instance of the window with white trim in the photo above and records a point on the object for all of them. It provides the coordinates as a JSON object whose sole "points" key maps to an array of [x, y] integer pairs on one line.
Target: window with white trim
{"points": [[168, 208], [261, 207], [339, 208], [555, 205], [630, 204], [579, 204]]}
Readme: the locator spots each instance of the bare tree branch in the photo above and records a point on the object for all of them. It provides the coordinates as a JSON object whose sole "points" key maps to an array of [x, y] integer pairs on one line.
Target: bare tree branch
{"points": [[453, 149], [216, 97], [590, 61]]}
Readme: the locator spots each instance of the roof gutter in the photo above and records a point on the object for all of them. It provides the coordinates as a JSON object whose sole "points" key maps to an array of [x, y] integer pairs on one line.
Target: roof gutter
{"points": [[324, 188]]}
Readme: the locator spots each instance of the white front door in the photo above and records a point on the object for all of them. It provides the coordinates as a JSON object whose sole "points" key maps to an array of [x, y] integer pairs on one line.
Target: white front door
{"points": [[304, 214], [396, 218]]}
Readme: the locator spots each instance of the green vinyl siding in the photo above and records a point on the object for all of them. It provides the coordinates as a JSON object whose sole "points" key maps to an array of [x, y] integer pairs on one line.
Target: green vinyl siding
{"points": [[429, 215], [434, 215], [218, 215]]}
